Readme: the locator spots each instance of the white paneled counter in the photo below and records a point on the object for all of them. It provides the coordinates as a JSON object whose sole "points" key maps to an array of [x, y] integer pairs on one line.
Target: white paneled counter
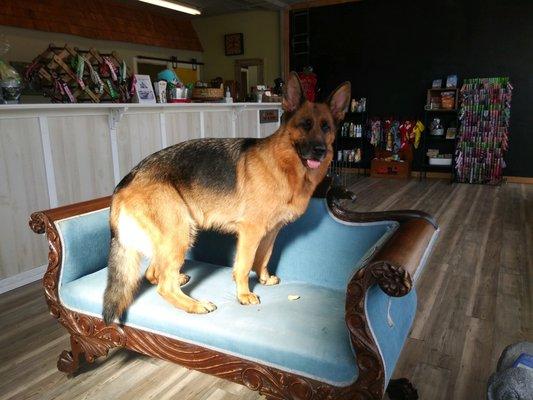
{"points": [[56, 154]]}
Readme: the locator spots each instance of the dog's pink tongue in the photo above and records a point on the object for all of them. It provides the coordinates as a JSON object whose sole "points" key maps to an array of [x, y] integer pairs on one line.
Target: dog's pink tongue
{"points": [[313, 164]]}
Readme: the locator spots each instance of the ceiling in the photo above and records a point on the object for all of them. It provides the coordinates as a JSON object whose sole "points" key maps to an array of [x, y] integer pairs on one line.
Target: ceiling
{"points": [[218, 7]]}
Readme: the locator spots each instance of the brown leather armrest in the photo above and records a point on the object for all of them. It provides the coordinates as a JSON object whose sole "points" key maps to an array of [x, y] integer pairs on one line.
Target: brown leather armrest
{"points": [[407, 245]]}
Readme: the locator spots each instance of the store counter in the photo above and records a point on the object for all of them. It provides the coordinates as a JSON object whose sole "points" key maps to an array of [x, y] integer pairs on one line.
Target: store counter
{"points": [[56, 154]]}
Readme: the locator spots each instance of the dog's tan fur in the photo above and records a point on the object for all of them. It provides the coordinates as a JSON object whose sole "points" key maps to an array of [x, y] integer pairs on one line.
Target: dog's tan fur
{"points": [[273, 188]]}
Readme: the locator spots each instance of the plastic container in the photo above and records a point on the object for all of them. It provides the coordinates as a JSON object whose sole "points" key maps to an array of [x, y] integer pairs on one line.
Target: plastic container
{"points": [[440, 161]]}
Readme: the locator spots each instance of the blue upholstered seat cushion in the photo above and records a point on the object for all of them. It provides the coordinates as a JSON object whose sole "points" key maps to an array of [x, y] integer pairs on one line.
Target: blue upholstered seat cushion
{"points": [[307, 336]]}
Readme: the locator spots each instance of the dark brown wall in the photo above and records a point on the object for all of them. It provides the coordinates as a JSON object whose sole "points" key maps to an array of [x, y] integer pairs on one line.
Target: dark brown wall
{"points": [[103, 19]]}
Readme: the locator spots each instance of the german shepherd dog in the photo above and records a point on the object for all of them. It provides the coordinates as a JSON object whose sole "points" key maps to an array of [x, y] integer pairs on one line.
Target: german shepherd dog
{"points": [[251, 187]]}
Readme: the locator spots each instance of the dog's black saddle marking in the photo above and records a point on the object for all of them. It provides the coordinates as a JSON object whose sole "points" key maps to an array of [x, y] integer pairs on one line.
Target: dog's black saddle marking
{"points": [[210, 163]]}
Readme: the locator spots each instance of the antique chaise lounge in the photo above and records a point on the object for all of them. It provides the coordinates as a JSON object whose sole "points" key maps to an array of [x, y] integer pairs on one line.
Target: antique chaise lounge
{"points": [[353, 273]]}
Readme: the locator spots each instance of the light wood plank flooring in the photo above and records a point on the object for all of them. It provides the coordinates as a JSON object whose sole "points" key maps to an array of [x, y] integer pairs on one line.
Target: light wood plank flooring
{"points": [[475, 297]]}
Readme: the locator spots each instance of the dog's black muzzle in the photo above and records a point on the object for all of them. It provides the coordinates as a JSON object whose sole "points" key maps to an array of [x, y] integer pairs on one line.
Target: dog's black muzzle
{"points": [[312, 150]]}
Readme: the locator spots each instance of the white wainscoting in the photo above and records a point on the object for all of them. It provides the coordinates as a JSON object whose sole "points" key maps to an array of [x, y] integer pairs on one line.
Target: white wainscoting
{"points": [[56, 154]]}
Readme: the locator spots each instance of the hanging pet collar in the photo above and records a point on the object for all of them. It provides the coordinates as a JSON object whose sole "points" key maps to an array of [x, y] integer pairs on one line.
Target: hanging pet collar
{"points": [[112, 92], [99, 85], [111, 68], [123, 70], [80, 68]]}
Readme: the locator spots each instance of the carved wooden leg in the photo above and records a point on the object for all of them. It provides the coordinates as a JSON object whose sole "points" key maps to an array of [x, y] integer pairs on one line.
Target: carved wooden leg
{"points": [[401, 389], [69, 361]]}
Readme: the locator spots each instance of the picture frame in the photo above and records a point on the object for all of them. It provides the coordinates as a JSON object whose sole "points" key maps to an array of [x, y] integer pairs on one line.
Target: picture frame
{"points": [[234, 44], [144, 91], [436, 84]]}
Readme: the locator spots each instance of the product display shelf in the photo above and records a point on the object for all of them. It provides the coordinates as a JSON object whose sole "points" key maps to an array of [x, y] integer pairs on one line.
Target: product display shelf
{"points": [[449, 118], [347, 143]]}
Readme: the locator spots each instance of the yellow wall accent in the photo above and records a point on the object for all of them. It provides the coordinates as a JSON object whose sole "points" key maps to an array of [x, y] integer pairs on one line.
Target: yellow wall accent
{"points": [[261, 30], [187, 75]]}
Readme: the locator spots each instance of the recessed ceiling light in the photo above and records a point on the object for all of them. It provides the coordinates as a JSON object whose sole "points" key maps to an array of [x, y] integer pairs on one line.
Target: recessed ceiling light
{"points": [[173, 6]]}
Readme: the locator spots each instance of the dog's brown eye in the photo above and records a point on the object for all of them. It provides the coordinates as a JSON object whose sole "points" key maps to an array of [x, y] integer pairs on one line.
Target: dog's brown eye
{"points": [[307, 124], [324, 126]]}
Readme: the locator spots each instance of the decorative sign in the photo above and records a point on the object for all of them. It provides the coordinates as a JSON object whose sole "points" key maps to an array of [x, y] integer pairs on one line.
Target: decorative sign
{"points": [[268, 116], [144, 92], [234, 44]]}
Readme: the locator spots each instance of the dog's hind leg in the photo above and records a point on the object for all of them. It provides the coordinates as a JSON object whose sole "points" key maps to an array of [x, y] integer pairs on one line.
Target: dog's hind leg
{"points": [[152, 275], [262, 256], [173, 234], [250, 236], [169, 258]]}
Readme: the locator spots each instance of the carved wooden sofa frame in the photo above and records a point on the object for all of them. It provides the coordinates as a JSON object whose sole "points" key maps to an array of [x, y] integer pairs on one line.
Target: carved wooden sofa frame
{"points": [[392, 267]]}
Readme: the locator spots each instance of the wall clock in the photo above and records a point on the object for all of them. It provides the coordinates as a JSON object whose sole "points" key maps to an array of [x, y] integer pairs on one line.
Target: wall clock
{"points": [[233, 44]]}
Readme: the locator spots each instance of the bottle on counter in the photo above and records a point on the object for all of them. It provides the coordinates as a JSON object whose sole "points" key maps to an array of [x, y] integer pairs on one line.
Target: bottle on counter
{"points": [[228, 98]]}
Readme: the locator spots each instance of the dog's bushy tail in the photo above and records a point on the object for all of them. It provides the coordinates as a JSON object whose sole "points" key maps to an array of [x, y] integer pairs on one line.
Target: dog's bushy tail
{"points": [[122, 280]]}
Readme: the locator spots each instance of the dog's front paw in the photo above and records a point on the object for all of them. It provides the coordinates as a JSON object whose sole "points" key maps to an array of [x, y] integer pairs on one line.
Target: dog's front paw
{"points": [[271, 280], [248, 298]]}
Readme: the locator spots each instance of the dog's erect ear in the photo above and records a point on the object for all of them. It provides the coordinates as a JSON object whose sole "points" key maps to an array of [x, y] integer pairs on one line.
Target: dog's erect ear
{"points": [[339, 101], [293, 96]]}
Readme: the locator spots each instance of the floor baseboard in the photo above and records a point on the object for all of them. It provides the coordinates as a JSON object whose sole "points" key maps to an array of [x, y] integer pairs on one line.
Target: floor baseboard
{"points": [[520, 179], [443, 175], [22, 279]]}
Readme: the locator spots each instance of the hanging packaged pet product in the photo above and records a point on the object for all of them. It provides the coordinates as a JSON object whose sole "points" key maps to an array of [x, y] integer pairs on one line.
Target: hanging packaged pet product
{"points": [[375, 132], [393, 153], [417, 132], [406, 134]]}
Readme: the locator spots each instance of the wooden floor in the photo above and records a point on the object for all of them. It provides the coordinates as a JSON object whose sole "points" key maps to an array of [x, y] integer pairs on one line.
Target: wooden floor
{"points": [[475, 297]]}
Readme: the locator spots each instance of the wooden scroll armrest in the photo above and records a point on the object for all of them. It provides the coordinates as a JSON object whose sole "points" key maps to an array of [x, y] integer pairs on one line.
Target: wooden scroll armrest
{"points": [[392, 268], [37, 219], [336, 193]]}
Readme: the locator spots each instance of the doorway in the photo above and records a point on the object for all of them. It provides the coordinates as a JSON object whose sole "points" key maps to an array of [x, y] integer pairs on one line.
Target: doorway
{"points": [[248, 73]]}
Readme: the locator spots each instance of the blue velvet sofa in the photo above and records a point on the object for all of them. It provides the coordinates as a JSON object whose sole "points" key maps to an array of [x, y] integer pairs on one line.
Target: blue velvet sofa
{"points": [[353, 272]]}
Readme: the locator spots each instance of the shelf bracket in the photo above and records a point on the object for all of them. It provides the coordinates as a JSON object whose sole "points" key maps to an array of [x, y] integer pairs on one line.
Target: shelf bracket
{"points": [[115, 115]]}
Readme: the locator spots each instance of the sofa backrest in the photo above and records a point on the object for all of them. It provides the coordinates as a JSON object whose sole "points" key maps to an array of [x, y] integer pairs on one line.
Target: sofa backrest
{"points": [[316, 248], [85, 241]]}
